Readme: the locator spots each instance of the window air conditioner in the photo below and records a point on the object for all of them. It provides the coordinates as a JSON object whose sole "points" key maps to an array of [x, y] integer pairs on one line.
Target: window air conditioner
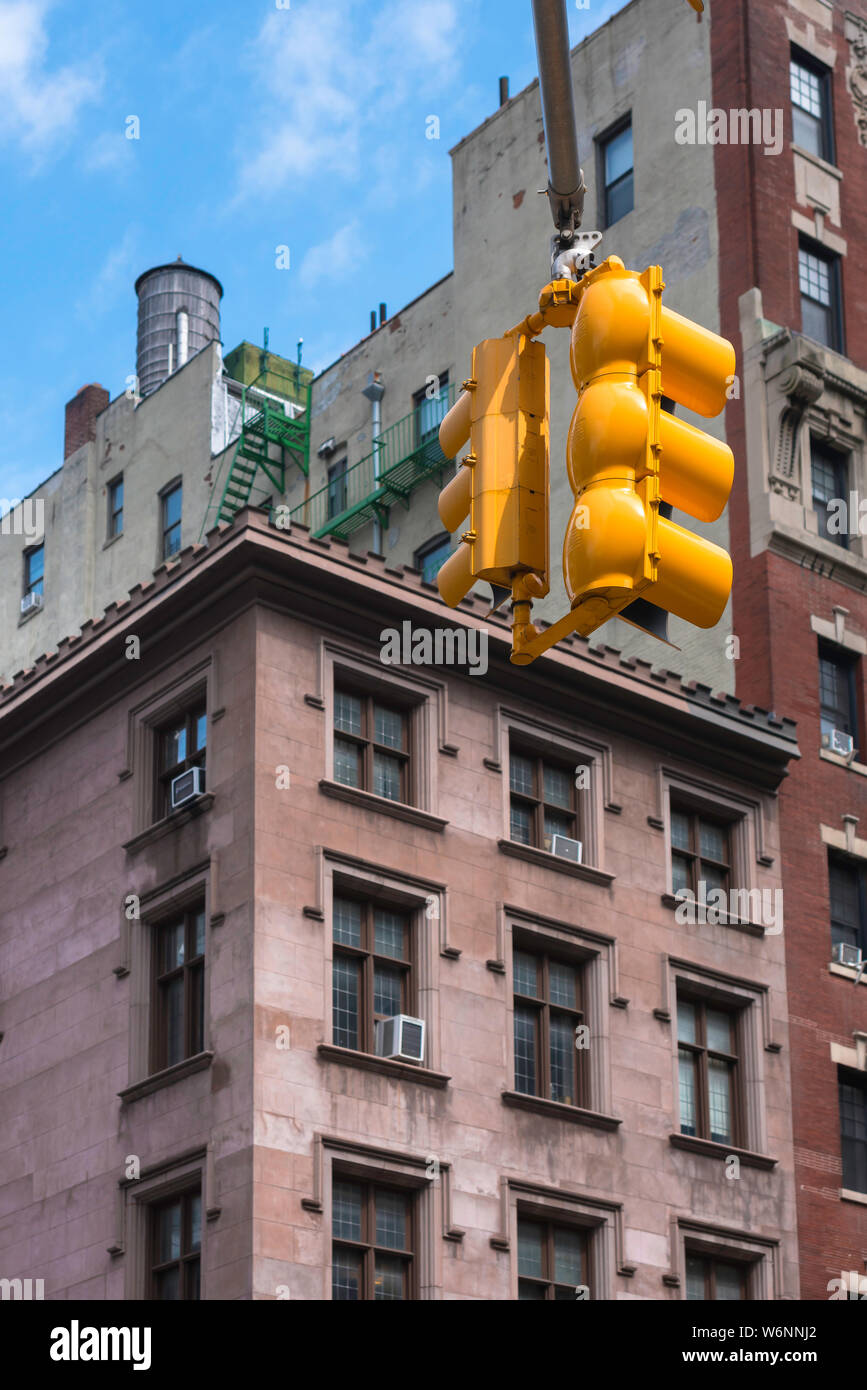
{"points": [[565, 848], [187, 786], [30, 602], [401, 1038], [843, 954], [838, 742]]}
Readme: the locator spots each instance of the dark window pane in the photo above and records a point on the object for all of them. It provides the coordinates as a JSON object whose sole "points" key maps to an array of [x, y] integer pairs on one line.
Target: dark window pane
{"points": [[430, 562], [712, 841], [345, 1276], [347, 763], [169, 1233], [680, 830], [531, 1293], [345, 1002], [173, 997], [168, 1285], [387, 990], [388, 727], [346, 920], [199, 933], [173, 939], [530, 1246], [389, 1278], [347, 713], [853, 1129], [200, 731], [562, 1060], [619, 199], [174, 746], [196, 1221], [520, 824], [719, 1030], [557, 824], [197, 1023], [686, 1065], [685, 1021], [525, 1050], [387, 776], [618, 155], [526, 970], [568, 1251], [521, 774], [557, 787], [719, 1080], [391, 1213], [389, 929], [562, 981], [680, 873], [194, 1287], [346, 1202], [695, 1277], [729, 1281]]}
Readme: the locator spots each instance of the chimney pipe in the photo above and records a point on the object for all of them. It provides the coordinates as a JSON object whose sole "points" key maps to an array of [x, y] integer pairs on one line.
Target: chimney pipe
{"points": [[504, 90], [382, 315], [81, 413], [373, 320]]}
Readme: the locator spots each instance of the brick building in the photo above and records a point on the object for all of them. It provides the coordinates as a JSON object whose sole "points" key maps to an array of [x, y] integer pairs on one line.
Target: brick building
{"points": [[195, 1102]]}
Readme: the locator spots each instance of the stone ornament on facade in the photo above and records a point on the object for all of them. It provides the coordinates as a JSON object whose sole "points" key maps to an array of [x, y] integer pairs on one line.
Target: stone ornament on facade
{"points": [[802, 385], [856, 72]]}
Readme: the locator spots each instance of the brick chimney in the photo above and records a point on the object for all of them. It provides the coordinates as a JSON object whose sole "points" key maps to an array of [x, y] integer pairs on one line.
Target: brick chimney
{"points": [[81, 413]]}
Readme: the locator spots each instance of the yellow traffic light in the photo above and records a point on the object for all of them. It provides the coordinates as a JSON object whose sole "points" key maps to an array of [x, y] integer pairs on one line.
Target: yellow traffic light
{"points": [[502, 484], [627, 457]]}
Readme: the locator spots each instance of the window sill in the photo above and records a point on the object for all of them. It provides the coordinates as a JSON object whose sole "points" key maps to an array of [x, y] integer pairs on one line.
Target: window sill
{"points": [[553, 861], [847, 1195], [736, 923], [371, 802], [167, 1077], [848, 972], [829, 757], [558, 1111], [33, 613], [386, 1066], [817, 159], [169, 823], [112, 540], [711, 1149]]}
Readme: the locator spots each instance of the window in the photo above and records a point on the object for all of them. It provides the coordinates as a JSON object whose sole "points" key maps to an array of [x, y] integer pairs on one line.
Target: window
{"points": [[372, 1253], [846, 885], [371, 745], [707, 1064], [179, 988], [181, 745], [372, 970], [430, 411], [430, 557], [700, 853], [616, 156], [542, 800], [819, 279], [171, 520], [552, 1260], [721, 1280], [853, 1130], [548, 1011], [829, 471], [810, 89], [837, 703], [34, 570], [176, 1247], [115, 508], [336, 488]]}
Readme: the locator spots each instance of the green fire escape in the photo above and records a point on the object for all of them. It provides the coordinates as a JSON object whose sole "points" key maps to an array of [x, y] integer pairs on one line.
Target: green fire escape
{"points": [[402, 457], [270, 440]]}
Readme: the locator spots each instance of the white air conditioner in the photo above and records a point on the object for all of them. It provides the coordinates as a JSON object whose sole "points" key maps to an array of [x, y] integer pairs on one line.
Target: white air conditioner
{"points": [[838, 742], [400, 1037], [565, 848], [328, 447], [187, 786], [843, 954], [31, 602]]}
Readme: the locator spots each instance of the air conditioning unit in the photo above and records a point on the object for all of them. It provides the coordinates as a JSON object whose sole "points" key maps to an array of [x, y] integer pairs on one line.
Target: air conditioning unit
{"points": [[31, 602], [401, 1038], [843, 954], [838, 742], [187, 786], [328, 447], [565, 848]]}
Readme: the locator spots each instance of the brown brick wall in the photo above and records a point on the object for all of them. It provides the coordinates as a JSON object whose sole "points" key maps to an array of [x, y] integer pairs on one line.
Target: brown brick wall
{"points": [[81, 413]]}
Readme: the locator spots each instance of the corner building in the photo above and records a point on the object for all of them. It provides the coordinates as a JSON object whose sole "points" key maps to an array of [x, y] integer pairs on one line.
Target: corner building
{"points": [[195, 1103]]}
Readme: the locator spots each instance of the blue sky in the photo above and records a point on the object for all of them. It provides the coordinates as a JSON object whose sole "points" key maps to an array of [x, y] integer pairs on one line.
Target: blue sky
{"points": [[259, 127]]}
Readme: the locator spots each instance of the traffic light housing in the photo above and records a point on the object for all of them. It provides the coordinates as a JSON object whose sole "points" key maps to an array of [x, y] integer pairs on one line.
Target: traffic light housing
{"points": [[502, 484], [627, 457]]}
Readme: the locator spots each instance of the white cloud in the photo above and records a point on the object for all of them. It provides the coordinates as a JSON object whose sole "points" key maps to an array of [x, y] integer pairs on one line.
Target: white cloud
{"points": [[39, 105], [107, 152], [114, 275], [341, 254], [337, 73]]}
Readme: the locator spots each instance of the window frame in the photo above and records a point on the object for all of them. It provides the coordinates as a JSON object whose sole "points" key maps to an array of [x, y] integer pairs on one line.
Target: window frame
{"points": [[37, 585], [192, 964], [703, 1053], [367, 746], [163, 777], [697, 814], [418, 400], [858, 868], [536, 802], [430, 547], [711, 1261], [857, 1081], [112, 530], [848, 662], [542, 953], [367, 1248], [799, 58], [840, 461], [367, 958], [335, 474], [187, 1256], [602, 142], [832, 261], [165, 495], [550, 1225]]}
